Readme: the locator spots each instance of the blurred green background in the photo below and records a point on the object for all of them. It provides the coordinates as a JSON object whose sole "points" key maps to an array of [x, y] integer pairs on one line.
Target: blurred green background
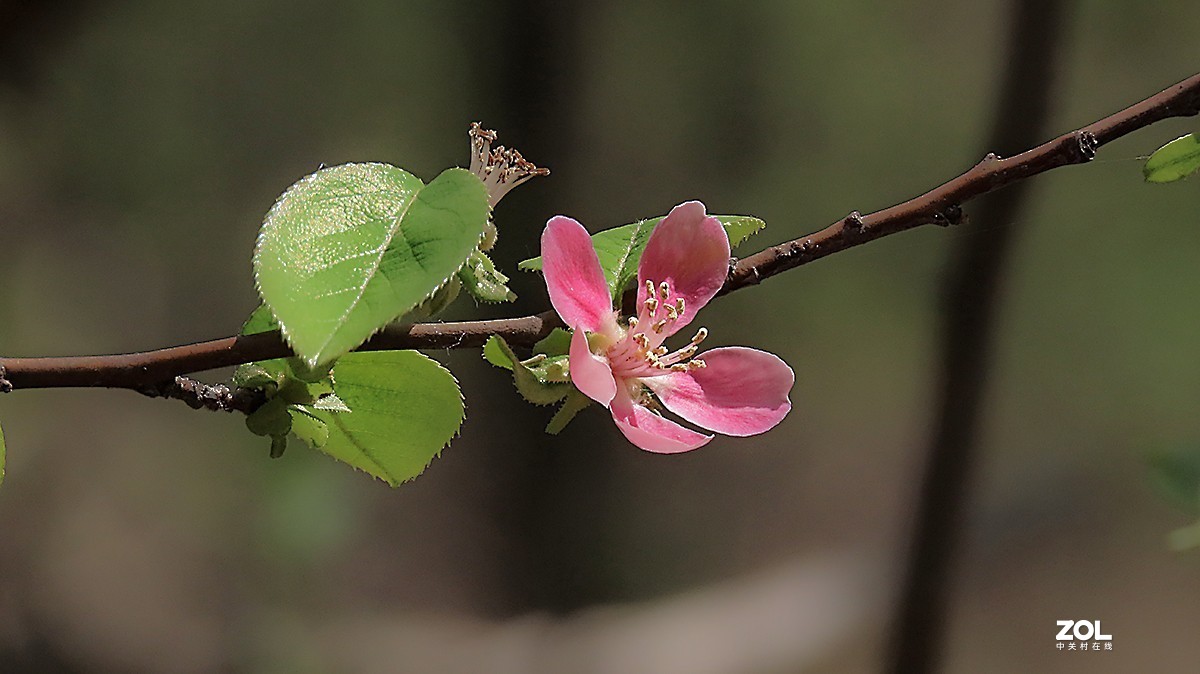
{"points": [[142, 142]]}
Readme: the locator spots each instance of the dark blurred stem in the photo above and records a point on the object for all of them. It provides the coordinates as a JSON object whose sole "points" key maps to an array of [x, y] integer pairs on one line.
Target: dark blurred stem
{"points": [[548, 567], [968, 331]]}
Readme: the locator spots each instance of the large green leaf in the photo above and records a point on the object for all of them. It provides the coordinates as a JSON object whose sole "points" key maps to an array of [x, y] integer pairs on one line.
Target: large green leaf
{"points": [[1176, 160], [620, 249], [404, 406], [351, 248]]}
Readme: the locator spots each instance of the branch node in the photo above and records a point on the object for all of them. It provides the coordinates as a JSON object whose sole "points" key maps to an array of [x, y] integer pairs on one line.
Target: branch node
{"points": [[5, 385], [950, 215], [1085, 146], [851, 224]]}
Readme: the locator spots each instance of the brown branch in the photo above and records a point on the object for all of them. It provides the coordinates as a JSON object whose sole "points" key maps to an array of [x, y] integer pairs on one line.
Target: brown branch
{"points": [[941, 205]]}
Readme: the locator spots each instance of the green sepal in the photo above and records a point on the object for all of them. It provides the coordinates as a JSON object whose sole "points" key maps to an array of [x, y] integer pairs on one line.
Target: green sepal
{"points": [[272, 419], [278, 445], [557, 343], [1176, 160], [483, 281], [572, 404], [533, 384]]}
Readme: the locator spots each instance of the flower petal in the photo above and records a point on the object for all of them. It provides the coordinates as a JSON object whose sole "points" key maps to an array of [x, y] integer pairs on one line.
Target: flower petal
{"points": [[690, 251], [741, 391], [651, 432], [576, 283], [590, 373]]}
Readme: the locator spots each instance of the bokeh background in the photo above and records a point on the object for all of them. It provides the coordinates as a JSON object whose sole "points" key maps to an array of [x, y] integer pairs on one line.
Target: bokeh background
{"points": [[141, 142]]}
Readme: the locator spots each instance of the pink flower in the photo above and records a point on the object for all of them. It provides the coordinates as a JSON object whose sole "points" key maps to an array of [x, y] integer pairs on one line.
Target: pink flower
{"points": [[734, 390]]}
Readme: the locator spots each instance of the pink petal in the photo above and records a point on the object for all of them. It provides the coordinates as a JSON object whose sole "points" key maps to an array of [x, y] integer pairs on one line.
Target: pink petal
{"points": [[690, 251], [590, 373], [576, 283], [650, 431], [741, 392]]}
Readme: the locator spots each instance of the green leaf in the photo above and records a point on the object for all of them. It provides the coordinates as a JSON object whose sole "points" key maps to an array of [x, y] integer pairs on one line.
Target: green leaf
{"points": [[497, 355], [535, 385], [483, 281], [1176, 160], [1176, 475], [308, 426], [557, 343], [436, 303], [574, 402], [406, 408], [620, 249], [350, 248]]}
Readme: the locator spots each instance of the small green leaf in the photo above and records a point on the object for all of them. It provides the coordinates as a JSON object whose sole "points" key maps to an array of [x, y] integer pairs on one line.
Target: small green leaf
{"points": [[1176, 475], [1174, 161], [557, 343], [497, 355], [308, 427], [278, 445], [330, 402], [574, 402], [533, 385], [620, 249], [272, 419], [350, 248], [261, 320], [253, 375], [406, 408], [483, 281]]}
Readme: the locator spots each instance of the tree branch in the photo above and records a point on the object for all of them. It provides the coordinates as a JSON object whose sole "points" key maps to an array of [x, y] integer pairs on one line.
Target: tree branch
{"points": [[941, 206]]}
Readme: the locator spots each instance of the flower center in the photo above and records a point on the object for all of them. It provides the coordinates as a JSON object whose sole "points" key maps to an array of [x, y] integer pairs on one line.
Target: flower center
{"points": [[640, 352]]}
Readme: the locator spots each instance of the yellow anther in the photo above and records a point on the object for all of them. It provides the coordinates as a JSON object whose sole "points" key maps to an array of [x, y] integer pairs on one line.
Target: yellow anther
{"points": [[701, 334], [633, 321], [658, 327], [641, 340], [649, 288], [664, 290], [660, 351], [652, 306], [672, 313], [679, 367], [679, 305], [697, 364]]}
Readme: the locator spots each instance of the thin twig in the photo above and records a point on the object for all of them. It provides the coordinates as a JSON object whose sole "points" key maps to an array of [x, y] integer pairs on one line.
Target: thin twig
{"points": [[941, 205]]}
